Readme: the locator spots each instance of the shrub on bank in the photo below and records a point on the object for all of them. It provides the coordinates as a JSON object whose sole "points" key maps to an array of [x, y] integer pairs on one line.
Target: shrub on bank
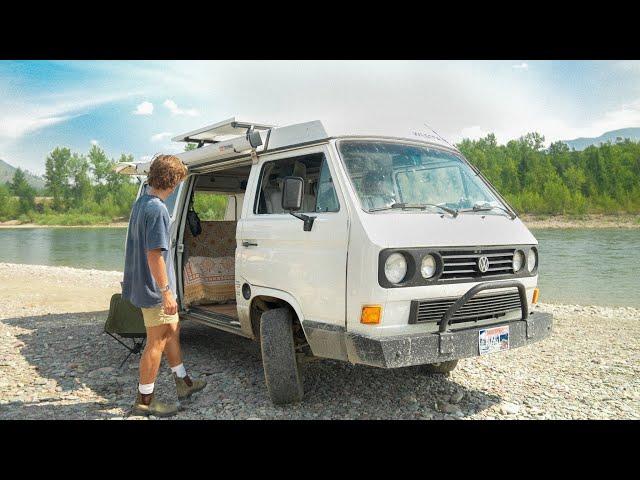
{"points": [[70, 219]]}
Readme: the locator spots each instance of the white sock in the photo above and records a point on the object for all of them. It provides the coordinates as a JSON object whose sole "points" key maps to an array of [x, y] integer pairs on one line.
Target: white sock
{"points": [[146, 389], [179, 370]]}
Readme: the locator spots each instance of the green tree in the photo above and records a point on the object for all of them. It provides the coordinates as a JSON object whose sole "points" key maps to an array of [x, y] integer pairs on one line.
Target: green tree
{"points": [[25, 192], [100, 164], [56, 176], [81, 191], [8, 206], [101, 169]]}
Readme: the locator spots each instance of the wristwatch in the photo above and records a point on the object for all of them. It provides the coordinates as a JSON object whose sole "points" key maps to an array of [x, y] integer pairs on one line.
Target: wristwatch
{"points": [[165, 289]]}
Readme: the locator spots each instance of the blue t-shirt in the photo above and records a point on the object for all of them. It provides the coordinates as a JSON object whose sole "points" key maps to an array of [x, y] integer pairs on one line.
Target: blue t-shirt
{"points": [[148, 230]]}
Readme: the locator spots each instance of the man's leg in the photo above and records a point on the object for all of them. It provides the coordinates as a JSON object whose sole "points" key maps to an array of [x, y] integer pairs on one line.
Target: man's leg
{"points": [[158, 334], [151, 356], [184, 385], [172, 348]]}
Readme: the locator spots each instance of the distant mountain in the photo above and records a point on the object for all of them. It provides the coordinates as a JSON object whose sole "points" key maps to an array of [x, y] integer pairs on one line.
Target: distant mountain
{"points": [[7, 171], [612, 136]]}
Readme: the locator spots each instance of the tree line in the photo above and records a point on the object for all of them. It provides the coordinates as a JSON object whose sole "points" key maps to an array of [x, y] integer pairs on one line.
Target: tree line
{"points": [[556, 180], [84, 189], [533, 179]]}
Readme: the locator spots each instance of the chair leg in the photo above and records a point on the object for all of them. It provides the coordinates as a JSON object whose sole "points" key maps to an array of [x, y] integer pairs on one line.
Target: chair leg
{"points": [[136, 348], [125, 360]]}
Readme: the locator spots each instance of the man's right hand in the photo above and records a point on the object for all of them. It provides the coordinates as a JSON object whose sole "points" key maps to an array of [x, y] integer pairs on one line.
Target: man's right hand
{"points": [[169, 303]]}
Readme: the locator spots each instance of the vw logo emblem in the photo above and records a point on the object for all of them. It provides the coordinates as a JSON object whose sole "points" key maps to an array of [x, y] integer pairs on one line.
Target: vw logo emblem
{"points": [[483, 264]]}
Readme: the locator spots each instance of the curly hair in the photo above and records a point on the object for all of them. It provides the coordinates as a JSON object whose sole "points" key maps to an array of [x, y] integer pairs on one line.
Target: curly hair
{"points": [[166, 172]]}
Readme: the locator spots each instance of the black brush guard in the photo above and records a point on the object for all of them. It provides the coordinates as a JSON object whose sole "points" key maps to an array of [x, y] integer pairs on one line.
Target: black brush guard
{"points": [[458, 304]]}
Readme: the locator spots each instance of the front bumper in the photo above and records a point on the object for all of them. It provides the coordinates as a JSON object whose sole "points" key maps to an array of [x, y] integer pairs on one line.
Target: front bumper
{"points": [[449, 342], [330, 341], [405, 350]]}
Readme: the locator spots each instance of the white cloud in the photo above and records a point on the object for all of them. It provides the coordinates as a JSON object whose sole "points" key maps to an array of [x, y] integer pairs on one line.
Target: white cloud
{"points": [[144, 108], [95, 142], [160, 136], [31, 114], [175, 110], [457, 98], [627, 115], [173, 148], [14, 126], [473, 133]]}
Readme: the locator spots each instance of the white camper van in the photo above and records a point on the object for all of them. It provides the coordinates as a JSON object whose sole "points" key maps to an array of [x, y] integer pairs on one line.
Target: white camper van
{"points": [[388, 251]]}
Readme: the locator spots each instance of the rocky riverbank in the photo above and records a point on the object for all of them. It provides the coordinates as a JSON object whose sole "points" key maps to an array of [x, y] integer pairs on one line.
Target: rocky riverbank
{"points": [[584, 221], [55, 362], [532, 221], [18, 224]]}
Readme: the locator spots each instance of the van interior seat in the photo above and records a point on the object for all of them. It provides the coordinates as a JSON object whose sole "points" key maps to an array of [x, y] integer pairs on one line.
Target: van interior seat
{"points": [[273, 195], [209, 268], [308, 200]]}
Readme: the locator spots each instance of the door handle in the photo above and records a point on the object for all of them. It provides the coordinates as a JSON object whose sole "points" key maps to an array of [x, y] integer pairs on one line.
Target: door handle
{"points": [[249, 244]]}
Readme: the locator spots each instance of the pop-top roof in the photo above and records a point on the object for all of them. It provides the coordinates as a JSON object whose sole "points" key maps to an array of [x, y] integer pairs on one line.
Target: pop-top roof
{"points": [[220, 132], [224, 140], [227, 139]]}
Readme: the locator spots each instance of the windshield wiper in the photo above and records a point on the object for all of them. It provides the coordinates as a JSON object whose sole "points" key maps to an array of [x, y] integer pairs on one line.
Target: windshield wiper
{"points": [[419, 206], [486, 208]]}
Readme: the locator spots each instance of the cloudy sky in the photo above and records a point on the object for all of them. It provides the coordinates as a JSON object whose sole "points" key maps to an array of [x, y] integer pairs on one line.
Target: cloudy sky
{"points": [[136, 106]]}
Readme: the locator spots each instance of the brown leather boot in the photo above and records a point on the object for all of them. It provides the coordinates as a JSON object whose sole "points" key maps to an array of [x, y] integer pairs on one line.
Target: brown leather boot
{"points": [[187, 387], [147, 405]]}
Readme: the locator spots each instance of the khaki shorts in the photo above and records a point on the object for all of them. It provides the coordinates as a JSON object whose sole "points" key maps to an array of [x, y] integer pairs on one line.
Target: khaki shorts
{"points": [[155, 316]]}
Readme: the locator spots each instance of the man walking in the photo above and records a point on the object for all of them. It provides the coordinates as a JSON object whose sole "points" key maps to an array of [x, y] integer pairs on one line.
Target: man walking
{"points": [[150, 283]]}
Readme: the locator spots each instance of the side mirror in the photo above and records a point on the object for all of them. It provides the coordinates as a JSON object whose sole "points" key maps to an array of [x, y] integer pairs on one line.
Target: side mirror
{"points": [[292, 193]]}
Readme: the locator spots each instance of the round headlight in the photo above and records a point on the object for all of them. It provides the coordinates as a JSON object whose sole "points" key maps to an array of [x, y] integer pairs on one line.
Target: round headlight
{"points": [[518, 260], [532, 260], [428, 266], [395, 268]]}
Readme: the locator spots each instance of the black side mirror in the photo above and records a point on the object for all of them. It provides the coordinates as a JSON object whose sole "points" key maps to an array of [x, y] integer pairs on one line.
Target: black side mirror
{"points": [[292, 196], [292, 192]]}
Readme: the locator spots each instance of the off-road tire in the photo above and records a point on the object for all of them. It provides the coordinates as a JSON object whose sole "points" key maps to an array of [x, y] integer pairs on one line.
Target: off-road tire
{"points": [[281, 369], [440, 367]]}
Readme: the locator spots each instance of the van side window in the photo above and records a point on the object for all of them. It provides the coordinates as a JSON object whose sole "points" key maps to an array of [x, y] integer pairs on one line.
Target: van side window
{"points": [[319, 192], [170, 202], [327, 200], [210, 206]]}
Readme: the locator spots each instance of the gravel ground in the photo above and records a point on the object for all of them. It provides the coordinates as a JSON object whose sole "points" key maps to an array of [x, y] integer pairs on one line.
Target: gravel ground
{"points": [[56, 363]]}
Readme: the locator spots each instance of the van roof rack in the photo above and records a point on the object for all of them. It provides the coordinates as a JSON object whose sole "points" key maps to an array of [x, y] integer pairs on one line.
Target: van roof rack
{"points": [[220, 132]]}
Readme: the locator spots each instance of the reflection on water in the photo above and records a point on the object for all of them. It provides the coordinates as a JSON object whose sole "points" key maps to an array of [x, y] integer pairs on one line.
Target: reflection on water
{"points": [[100, 248], [588, 267]]}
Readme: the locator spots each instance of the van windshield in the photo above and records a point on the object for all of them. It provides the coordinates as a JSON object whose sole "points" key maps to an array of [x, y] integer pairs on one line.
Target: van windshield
{"points": [[393, 175]]}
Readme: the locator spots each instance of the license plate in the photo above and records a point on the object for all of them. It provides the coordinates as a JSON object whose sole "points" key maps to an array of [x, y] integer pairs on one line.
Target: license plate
{"points": [[494, 339]]}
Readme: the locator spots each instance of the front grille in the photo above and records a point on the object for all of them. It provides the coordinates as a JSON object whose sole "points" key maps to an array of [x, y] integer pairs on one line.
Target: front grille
{"points": [[477, 308], [463, 264]]}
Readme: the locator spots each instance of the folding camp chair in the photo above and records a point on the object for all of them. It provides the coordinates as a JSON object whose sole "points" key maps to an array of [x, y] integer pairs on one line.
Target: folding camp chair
{"points": [[125, 320]]}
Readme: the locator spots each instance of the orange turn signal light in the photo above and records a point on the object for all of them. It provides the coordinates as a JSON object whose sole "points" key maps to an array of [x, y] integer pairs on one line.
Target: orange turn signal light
{"points": [[536, 294], [371, 314]]}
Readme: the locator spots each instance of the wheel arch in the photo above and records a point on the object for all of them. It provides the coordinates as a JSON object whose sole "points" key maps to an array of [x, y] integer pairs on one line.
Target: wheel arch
{"points": [[263, 299]]}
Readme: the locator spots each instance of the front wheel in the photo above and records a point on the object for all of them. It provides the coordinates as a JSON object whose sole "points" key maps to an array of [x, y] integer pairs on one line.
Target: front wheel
{"points": [[440, 367], [281, 369]]}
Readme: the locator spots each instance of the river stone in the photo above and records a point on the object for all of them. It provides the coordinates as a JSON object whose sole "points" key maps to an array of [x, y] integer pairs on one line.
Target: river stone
{"points": [[448, 408], [100, 371], [456, 397], [508, 408]]}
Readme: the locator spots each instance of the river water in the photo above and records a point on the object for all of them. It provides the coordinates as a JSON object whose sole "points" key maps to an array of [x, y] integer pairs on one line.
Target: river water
{"points": [[578, 266]]}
